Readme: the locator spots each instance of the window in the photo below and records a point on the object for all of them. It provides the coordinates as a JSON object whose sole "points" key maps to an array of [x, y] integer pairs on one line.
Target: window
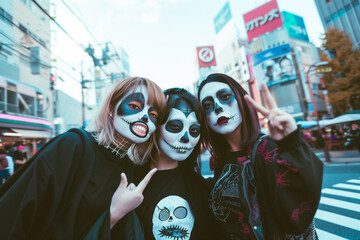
{"points": [[5, 16], [334, 16], [11, 101], [40, 105], [22, 28], [2, 99], [2, 14], [26, 104], [347, 7], [328, 19], [355, 3], [341, 12]]}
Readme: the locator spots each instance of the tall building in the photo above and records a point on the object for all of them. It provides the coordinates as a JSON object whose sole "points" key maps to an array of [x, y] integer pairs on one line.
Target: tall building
{"points": [[343, 15], [231, 51], [281, 56], [26, 110]]}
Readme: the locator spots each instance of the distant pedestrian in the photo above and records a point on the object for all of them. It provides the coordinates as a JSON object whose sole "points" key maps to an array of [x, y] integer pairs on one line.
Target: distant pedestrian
{"points": [[4, 164], [20, 157], [355, 133]]}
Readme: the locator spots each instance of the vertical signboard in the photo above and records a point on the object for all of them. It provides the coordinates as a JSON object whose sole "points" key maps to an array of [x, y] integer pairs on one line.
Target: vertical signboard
{"points": [[206, 56], [295, 26], [263, 19], [222, 18], [274, 66]]}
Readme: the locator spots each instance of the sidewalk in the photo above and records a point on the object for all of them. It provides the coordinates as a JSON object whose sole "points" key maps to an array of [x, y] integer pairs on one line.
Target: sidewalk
{"points": [[340, 156]]}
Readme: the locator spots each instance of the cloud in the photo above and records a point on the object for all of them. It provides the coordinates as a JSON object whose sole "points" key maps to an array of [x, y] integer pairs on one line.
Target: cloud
{"points": [[150, 9], [150, 17]]}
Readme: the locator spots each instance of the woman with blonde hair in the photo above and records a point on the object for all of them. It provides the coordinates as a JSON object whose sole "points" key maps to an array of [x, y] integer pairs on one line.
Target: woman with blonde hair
{"points": [[73, 181]]}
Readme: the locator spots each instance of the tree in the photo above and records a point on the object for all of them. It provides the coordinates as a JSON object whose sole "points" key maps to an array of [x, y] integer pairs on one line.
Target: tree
{"points": [[343, 83]]}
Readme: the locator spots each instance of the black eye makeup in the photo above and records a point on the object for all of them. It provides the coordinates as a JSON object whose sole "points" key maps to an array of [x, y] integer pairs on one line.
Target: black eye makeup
{"points": [[194, 130], [225, 96], [208, 104], [131, 104], [174, 126]]}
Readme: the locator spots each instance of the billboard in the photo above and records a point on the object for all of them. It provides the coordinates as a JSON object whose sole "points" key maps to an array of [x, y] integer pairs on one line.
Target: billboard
{"points": [[222, 17], [295, 26], [263, 19], [274, 66], [206, 56]]}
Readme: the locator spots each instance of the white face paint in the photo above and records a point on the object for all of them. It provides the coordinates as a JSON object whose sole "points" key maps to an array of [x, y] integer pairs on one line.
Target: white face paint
{"points": [[172, 219], [179, 135], [134, 119], [221, 108]]}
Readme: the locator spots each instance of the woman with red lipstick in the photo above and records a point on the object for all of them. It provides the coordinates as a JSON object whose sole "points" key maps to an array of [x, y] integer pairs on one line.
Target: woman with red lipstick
{"points": [[79, 181], [272, 193]]}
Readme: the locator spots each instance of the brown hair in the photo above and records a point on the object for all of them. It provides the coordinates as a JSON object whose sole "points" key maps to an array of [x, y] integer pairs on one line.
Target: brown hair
{"points": [[249, 128], [105, 130]]}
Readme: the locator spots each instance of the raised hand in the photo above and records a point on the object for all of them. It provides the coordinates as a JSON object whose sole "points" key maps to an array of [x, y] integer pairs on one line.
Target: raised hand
{"points": [[127, 197], [281, 123]]}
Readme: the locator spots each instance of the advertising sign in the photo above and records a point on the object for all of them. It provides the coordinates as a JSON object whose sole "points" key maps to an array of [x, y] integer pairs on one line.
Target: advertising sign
{"points": [[263, 19], [206, 56], [274, 66], [222, 18], [295, 26]]}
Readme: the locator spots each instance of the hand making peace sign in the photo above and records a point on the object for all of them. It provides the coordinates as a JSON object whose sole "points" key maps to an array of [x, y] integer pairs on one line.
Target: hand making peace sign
{"points": [[127, 197], [281, 123]]}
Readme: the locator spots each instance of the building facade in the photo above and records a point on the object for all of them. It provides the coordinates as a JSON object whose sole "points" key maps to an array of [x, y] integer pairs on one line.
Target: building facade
{"points": [[281, 56], [343, 15], [25, 97]]}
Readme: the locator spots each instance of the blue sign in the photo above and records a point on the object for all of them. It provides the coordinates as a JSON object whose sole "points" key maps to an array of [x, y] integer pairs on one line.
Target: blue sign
{"points": [[222, 18], [295, 26], [271, 53]]}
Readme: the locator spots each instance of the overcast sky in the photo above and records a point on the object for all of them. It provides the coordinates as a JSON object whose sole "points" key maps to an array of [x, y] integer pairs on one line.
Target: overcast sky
{"points": [[160, 36]]}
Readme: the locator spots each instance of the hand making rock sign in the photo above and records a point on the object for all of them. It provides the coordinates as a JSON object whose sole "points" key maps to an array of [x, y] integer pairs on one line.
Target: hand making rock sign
{"points": [[281, 123], [127, 197]]}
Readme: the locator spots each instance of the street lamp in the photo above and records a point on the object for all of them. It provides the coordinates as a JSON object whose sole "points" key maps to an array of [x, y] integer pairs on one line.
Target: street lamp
{"points": [[316, 65]]}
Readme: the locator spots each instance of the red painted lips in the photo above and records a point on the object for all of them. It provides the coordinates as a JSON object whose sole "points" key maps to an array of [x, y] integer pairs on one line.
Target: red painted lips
{"points": [[222, 121]]}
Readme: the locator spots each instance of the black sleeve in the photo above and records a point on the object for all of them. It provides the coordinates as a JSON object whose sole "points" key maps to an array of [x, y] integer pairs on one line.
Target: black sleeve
{"points": [[29, 205], [289, 177], [199, 197]]}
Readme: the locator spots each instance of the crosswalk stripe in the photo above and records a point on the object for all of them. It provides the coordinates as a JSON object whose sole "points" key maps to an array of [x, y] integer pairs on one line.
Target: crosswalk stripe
{"points": [[341, 193], [347, 186], [326, 235], [338, 219], [354, 181], [340, 204]]}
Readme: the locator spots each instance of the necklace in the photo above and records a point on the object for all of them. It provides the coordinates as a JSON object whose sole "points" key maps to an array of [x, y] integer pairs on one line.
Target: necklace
{"points": [[117, 150]]}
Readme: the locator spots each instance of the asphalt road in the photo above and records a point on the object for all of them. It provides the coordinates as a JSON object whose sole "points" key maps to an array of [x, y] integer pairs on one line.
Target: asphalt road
{"points": [[338, 215]]}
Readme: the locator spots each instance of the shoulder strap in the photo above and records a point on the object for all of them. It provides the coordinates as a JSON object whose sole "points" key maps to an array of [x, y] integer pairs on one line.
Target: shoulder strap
{"points": [[254, 150]]}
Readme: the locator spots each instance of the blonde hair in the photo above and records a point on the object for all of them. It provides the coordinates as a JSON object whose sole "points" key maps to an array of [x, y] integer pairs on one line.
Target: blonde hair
{"points": [[105, 129]]}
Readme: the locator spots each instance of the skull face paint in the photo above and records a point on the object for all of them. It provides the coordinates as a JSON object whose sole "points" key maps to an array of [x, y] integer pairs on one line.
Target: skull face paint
{"points": [[172, 219], [180, 133], [221, 107], [134, 119]]}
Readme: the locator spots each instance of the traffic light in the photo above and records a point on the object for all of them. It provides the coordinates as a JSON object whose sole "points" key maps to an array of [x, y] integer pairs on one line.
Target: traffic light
{"points": [[52, 81]]}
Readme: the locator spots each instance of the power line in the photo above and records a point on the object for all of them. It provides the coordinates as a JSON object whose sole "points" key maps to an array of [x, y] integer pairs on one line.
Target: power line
{"points": [[53, 19], [45, 47], [86, 27]]}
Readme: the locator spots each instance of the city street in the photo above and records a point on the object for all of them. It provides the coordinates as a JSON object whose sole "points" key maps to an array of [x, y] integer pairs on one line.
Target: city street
{"points": [[338, 215]]}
